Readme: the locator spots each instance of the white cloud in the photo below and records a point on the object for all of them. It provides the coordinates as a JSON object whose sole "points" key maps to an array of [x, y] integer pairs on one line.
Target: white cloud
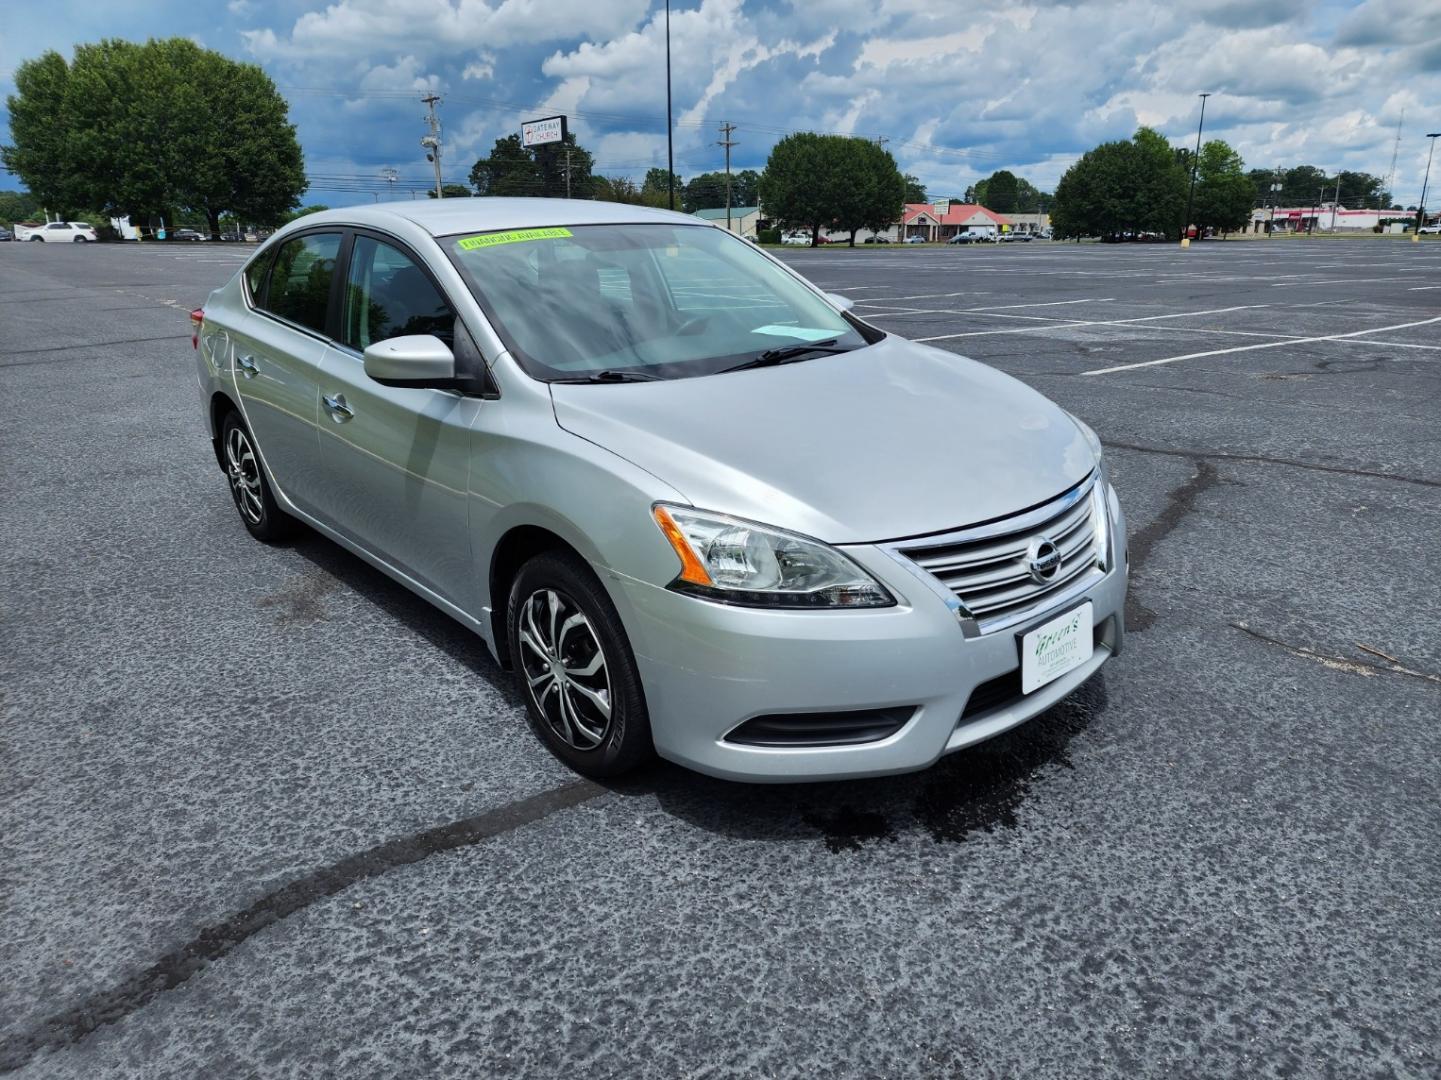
{"points": [[1022, 84], [482, 67], [359, 27]]}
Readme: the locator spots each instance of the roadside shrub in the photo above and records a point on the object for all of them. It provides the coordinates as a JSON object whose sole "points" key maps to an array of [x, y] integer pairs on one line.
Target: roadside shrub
{"points": [[768, 236]]}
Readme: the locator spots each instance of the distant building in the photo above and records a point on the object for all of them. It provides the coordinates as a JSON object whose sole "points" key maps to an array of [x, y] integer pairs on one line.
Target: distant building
{"points": [[941, 220], [744, 219], [1327, 217], [931, 222]]}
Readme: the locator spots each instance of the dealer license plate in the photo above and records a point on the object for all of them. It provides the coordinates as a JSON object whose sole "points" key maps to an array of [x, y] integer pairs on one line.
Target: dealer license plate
{"points": [[1056, 647]]}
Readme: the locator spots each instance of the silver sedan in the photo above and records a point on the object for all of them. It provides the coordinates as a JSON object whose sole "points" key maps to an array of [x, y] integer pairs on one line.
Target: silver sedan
{"points": [[696, 506]]}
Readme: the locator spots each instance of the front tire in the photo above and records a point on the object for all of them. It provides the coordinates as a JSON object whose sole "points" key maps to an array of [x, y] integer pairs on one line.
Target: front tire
{"points": [[248, 486], [575, 669]]}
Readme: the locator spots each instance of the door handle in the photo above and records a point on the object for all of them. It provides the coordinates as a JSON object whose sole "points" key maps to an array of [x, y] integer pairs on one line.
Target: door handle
{"points": [[247, 366], [339, 411]]}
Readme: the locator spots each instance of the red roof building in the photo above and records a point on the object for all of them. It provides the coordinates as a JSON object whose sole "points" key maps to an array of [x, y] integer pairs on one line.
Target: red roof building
{"points": [[925, 219]]}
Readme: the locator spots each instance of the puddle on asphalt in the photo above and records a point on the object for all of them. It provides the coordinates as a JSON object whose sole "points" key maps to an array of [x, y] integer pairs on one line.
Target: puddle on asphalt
{"points": [[847, 829], [978, 790]]}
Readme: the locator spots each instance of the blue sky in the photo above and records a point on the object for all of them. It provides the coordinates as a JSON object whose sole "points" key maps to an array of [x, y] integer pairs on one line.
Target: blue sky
{"points": [[959, 90]]}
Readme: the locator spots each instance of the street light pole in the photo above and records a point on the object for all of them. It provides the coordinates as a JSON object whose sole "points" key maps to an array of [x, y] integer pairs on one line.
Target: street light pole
{"points": [[1195, 164], [1421, 210], [669, 124]]}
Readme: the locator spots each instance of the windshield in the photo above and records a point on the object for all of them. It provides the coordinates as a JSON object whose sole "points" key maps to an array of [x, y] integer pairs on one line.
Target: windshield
{"points": [[661, 301]]}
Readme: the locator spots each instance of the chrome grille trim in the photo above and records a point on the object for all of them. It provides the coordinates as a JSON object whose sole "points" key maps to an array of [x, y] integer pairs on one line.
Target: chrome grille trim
{"points": [[984, 568]]}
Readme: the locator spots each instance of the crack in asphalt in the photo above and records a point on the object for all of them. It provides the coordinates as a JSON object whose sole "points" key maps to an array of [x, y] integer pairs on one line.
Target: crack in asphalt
{"points": [[215, 941], [1180, 502], [1349, 664], [83, 346], [1260, 459]]}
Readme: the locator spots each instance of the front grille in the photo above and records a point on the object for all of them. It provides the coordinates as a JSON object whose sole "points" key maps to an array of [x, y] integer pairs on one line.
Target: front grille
{"points": [[821, 729], [987, 567]]}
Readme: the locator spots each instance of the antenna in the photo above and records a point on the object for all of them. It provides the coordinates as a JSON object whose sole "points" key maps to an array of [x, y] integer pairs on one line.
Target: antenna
{"points": [[1391, 175]]}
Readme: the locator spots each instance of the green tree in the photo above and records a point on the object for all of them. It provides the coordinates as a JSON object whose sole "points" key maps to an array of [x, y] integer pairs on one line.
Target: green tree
{"points": [[915, 190], [746, 188], [620, 189], [657, 184], [39, 153], [795, 187], [1000, 191], [1029, 198], [510, 170], [705, 191], [18, 206], [556, 160], [1302, 184], [811, 181], [1225, 195], [1159, 199], [452, 191], [875, 197], [1359, 189], [514, 169], [1136, 185], [290, 215], [160, 128]]}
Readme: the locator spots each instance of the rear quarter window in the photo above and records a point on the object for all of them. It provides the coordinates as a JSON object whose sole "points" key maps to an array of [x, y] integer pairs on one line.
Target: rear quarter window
{"points": [[299, 286], [255, 276]]}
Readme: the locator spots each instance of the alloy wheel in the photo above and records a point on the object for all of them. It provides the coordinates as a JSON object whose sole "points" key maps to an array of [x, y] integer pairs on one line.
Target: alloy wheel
{"points": [[244, 472], [565, 670]]}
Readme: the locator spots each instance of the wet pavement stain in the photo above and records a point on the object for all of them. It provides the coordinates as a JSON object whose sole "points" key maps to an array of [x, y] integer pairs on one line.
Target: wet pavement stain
{"points": [[847, 829], [299, 600], [980, 790]]}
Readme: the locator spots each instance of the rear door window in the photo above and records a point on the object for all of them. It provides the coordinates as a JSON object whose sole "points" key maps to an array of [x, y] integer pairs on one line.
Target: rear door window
{"points": [[387, 295], [299, 287], [255, 277]]}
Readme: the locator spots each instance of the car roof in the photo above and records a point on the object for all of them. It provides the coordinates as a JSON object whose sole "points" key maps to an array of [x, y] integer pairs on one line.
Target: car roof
{"points": [[441, 217]]}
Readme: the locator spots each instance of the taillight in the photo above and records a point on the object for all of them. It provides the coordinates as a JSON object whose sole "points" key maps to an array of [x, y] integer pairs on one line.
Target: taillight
{"points": [[197, 320]]}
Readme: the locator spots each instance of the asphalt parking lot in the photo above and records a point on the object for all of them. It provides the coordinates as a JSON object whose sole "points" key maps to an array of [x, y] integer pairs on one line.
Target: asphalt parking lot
{"points": [[263, 812]]}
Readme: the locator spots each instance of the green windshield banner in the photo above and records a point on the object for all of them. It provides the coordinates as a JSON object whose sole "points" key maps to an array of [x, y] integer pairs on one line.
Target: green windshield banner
{"points": [[515, 236]]}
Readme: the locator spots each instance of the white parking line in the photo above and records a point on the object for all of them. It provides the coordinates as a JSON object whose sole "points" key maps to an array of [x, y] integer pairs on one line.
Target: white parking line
{"points": [[1263, 345], [1090, 322]]}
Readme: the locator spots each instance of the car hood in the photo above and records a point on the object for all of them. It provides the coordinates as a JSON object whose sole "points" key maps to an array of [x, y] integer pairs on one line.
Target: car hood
{"points": [[893, 440]]}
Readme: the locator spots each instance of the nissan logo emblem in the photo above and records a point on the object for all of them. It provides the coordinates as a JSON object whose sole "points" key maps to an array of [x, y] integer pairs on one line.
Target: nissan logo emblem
{"points": [[1043, 559]]}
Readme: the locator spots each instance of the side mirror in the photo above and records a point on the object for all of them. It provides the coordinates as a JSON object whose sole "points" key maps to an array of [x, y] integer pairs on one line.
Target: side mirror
{"points": [[417, 360], [845, 303]]}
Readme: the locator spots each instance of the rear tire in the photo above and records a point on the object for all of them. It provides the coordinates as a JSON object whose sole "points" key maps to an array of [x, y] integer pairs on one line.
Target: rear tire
{"points": [[574, 667], [248, 486]]}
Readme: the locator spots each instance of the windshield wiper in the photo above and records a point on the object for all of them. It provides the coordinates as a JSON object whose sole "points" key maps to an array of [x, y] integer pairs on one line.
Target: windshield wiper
{"points": [[612, 376], [784, 354]]}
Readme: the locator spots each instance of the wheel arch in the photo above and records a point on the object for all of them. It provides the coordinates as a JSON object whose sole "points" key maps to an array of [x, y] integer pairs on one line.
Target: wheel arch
{"points": [[513, 550], [220, 404]]}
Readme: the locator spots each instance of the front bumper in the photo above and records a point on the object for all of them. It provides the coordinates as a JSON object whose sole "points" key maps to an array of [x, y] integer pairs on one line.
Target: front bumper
{"points": [[708, 667]]}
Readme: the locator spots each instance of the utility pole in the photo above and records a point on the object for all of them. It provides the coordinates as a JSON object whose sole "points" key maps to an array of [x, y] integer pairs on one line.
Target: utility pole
{"points": [[1421, 210], [669, 124], [567, 172], [1195, 164], [727, 142], [1316, 212], [432, 141], [390, 176], [1335, 206]]}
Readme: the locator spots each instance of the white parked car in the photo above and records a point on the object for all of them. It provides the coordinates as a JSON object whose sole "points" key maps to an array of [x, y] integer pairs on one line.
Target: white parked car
{"points": [[1430, 228], [797, 238], [63, 232]]}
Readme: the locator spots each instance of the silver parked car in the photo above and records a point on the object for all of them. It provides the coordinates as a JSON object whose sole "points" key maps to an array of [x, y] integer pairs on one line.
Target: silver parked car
{"points": [[696, 505]]}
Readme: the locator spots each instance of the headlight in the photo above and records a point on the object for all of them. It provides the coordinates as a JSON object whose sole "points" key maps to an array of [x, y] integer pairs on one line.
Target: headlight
{"points": [[740, 562]]}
